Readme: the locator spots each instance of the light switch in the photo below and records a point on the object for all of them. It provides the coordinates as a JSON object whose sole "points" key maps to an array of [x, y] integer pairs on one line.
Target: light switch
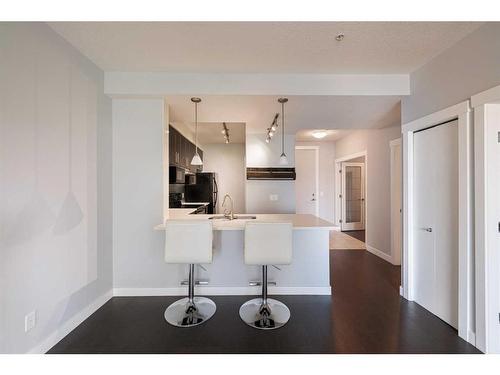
{"points": [[30, 321]]}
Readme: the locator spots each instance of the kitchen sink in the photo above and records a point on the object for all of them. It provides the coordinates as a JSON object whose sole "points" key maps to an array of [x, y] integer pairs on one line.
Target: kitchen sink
{"points": [[236, 217]]}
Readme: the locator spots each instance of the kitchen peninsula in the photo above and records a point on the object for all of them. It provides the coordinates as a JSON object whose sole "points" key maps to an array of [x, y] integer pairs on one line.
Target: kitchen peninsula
{"points": [[228, 275]]}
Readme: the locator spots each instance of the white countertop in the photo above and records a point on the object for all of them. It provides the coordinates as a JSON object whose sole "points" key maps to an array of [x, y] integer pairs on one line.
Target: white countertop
{"points": [[299, 221], [197, 203]]}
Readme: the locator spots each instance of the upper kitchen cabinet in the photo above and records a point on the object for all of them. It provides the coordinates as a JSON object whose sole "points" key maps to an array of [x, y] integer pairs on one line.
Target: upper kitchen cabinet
{"points": [[181, 151]]}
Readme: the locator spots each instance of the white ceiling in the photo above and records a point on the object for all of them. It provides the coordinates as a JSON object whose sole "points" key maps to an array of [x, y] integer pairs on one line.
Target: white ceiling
{"points": [[301, 112], [211, 132], [262, 47]]}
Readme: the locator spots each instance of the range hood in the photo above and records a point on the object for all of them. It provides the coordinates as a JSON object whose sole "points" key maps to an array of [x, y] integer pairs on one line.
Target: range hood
{"points": [[270, 173]]}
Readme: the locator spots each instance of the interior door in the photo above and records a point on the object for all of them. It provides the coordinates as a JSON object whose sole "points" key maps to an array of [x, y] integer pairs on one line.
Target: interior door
{"points": [[306, 188], [353, 196], [435, 189]]}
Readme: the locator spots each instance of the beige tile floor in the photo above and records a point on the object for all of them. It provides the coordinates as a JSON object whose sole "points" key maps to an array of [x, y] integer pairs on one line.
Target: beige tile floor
{"points": [[342, 241]]}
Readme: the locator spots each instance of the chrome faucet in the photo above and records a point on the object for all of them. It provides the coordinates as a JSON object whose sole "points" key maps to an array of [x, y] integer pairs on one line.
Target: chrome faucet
{"points": [[228, 214]]}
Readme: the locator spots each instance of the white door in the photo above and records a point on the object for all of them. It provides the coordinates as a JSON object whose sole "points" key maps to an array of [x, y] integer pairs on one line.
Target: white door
{"points": [[435, 256], [396, 202], [306, 183], [353, 196]]}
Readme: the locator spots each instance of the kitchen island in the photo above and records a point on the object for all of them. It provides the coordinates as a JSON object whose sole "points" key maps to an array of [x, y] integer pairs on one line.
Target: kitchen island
{"points": [[228, 275]]}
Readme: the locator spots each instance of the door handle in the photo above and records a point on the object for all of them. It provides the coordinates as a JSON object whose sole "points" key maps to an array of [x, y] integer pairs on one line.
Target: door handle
{"points": [[427, 229]]}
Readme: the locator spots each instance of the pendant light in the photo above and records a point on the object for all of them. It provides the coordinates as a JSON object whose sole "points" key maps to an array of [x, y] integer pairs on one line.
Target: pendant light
{"points": [[283, 158], [196, 158]]}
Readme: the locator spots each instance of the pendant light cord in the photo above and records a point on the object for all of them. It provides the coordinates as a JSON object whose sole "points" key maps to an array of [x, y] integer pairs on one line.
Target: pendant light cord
{"points": [[282, 128], [196, 127]]}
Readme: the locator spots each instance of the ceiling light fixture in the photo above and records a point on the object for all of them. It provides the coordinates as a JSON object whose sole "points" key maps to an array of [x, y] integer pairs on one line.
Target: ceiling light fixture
{"points": [[318, 134], [225, 131], [196, 158], [272, 129], [283, 158]]}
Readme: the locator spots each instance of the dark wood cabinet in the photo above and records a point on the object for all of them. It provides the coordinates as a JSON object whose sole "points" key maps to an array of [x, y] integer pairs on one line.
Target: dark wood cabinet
{"points": [[181, 151]]}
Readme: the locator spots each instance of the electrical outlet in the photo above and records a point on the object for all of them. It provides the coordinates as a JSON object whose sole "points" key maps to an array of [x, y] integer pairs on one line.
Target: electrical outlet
{"points": [[273, 197], [30, 321]]}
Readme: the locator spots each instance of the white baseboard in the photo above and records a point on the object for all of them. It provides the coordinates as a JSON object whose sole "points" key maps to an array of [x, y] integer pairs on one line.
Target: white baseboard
{"points": [[71, 324], [221, 291], [381, 254]]}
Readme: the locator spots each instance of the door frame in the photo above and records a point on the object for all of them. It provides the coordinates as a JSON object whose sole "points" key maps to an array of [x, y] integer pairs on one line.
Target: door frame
{"points": [[466, 282], [316, 158], [396, 255], [487, 260], [338, 183], [363, 192]]}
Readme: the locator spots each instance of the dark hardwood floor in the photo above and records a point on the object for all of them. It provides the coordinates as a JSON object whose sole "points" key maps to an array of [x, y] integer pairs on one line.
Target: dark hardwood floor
{"points": [[364, 315], [357, 234]]}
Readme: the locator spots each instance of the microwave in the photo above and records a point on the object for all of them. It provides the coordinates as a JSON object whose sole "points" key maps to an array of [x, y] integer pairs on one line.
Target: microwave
{"points": [[176, 175]]}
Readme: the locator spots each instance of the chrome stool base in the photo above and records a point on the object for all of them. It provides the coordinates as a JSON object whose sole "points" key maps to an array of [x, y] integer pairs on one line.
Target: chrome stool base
{"points": [[274, 314], [182, 313]]}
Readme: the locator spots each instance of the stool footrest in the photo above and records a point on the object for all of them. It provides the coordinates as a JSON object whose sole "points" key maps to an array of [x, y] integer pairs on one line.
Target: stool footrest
{"points": [[258, 283], [197, 282]]}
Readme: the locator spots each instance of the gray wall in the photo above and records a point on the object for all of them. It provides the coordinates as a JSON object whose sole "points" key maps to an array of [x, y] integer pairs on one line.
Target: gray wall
{"points": [[470, 66], [228, 161], [55, 257], [378, 192], [262, 154], [138, 193]]}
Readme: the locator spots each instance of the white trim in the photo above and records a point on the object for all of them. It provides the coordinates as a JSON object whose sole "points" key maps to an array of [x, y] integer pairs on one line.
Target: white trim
{"points": [[316, 156], [401, 291], [487, 240], [491, 96], [71, 324], [351, 156], [360, 225], [396, 256], [487, 270], [471, 337], [461, 112], [444, 115], [223, 291], [395, 142], [379, 253], [338, 183]]}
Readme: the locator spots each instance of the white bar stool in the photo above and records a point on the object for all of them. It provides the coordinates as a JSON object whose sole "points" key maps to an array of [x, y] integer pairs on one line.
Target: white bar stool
{"points": [[266, 244], [189, 242]]}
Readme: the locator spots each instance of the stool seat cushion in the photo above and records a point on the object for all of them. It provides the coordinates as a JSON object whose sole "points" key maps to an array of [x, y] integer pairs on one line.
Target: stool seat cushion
{"points": [[188, 241], [268, 243]]}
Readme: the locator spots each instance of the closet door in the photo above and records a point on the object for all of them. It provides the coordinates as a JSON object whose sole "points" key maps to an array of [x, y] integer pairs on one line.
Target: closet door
{"points": [[436, 220]]}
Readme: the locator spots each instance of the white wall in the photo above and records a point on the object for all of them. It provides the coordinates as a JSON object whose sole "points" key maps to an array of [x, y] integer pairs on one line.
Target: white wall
{"points": [[55, 252], [466, 68], [228, 161], [378, 215], [137, 192], [326, 178], [258, 193]]}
